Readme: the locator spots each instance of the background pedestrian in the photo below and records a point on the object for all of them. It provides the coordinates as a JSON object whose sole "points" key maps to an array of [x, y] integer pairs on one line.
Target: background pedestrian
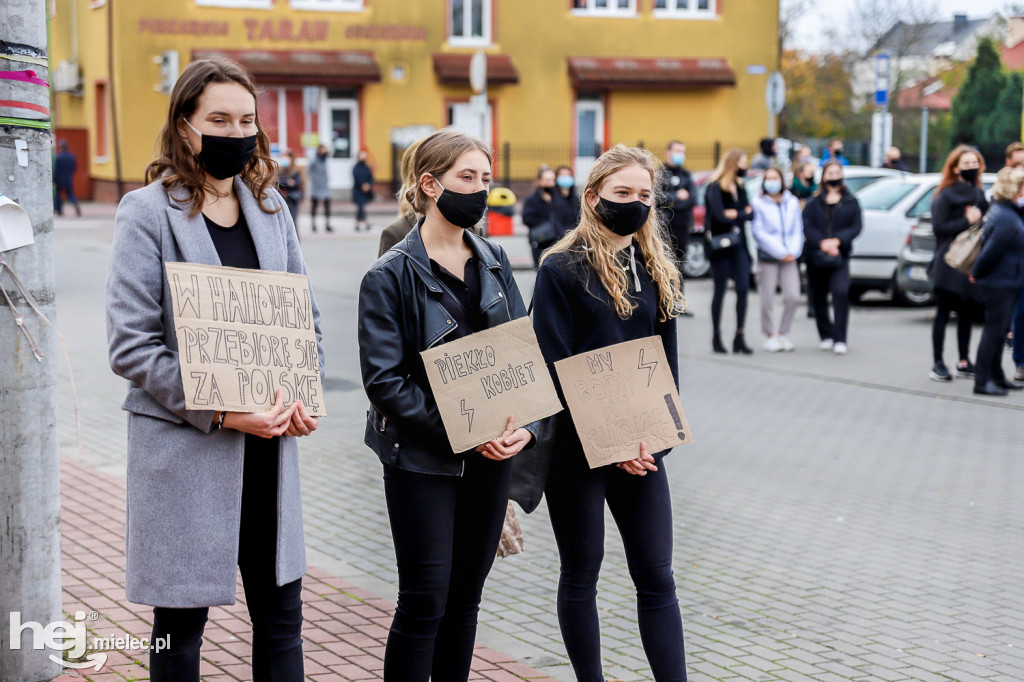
{"points": [[548, 213], [289, 183], [678, 196], [959, 203], [894, 160], [407, 216], [834, 153], [65, 165], [778, 231], [765, 156], [362, 188], [319, 187], [804, 186]]}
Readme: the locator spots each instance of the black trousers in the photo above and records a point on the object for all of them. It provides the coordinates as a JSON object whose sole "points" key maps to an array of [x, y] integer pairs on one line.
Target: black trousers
{"points": [[327, 209], [680, 242], [275, 612], [837, 283], [642, 509], [734, 264], [999, 306], [947, 302], [446, 531]]}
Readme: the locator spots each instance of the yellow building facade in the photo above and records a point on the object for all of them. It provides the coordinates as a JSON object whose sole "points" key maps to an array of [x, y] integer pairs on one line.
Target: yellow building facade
{"points": [[565, 78]]}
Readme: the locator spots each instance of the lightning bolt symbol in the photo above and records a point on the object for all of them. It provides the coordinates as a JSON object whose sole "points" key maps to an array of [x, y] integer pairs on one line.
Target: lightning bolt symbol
{"points": [[468, 413], [649, 366]]}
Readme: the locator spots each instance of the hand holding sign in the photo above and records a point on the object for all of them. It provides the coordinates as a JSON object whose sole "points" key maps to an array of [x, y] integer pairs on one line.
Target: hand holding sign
{"points": [[509, 443], [641, 465]]}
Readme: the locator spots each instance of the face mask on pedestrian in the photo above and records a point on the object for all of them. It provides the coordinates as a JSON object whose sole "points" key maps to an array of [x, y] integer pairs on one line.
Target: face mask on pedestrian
{"points": [[969, 175], [285, 164], [678, 158], [834, 182], [224, 157], [772, 186], [462, 210], [548, 190], [741, 172], [623, 219], [565, 181]]}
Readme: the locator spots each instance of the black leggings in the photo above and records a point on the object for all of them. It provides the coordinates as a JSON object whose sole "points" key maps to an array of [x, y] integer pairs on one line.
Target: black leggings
{"points": [[327, 208], [275, 612], [735, 265], [999, 307], [837, 283], [642, 509], [446, 531], [947, 302]]}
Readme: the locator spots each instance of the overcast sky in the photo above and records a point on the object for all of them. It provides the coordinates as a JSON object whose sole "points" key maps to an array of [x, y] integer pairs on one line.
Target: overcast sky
{"points": [[810, 28]]}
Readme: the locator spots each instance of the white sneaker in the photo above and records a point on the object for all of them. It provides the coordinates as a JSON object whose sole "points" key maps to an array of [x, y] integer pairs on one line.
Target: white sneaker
{"points": [[826, 344], [840, 348], [787, 345], [773, 344]]}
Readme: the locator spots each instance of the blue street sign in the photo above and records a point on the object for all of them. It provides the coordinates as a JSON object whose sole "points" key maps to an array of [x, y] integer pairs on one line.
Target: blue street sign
{"points": [[882, 80]]}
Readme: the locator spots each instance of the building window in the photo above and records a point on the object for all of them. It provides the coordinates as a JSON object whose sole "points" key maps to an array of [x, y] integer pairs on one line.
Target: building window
{"points": [[684, 9], [625, 8], [237, 4], [470, 22], [329, 5]]}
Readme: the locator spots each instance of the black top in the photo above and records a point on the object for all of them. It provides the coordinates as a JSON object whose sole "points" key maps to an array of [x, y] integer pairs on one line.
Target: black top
{"points": [[718, 201], [563, 211], [234, 244], [461, 298], [824, 221], [678, 213], [949, 218]]}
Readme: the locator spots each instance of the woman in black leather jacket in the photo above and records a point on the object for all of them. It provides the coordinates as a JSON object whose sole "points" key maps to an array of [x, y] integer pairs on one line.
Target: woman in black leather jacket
{"points": [[446, 509]]}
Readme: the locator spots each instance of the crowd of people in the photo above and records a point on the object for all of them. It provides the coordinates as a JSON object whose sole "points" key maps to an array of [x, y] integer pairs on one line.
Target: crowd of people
{"points": [[199, 481]]}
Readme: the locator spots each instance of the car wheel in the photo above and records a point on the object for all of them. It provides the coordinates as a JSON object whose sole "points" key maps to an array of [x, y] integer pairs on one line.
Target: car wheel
{"points": [[915, 299], [697, 264]]}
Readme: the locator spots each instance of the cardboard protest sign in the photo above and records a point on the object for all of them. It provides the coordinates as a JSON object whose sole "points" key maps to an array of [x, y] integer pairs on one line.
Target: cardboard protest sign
{"points": [[621, 395], [481, 379], [242, 334]]}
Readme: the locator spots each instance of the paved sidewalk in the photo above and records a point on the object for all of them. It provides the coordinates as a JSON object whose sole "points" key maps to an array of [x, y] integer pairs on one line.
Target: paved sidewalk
{"points": [[345, 627]]}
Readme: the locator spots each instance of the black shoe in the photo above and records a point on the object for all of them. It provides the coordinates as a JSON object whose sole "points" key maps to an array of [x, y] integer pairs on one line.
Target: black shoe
{"points": [[717, 345], [940, 373], [1009, 385], [328, 228], [739, 345], [990, 388], [965, 371]]}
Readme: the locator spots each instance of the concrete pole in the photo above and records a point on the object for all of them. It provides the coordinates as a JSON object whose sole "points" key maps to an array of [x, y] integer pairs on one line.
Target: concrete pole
{"points": [[924, 140], [29, 461]]}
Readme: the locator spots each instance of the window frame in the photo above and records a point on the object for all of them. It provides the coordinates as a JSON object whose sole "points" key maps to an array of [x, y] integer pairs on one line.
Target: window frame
{"points": [[692, 13], [236, 4], [329, 5], [613, 10], [485, 40]]}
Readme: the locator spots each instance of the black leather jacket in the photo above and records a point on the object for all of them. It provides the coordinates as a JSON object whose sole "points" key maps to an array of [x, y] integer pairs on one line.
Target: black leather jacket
{"points": [[400, 315]]}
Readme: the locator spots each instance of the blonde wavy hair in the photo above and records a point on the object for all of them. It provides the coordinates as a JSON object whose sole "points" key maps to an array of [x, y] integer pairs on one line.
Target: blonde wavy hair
{"points": [[405, 208], [726, 173], [594, 244]]}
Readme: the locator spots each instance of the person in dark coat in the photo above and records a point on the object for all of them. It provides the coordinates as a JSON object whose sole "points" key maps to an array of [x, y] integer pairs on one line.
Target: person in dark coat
{"points": [[566, 184], [728, 210], [548, 213], [832, 220], [765, 157], [999, 273], [289, 182], [362, 189], [959, 203], [676, 201], [65, 165], [894, 160]]}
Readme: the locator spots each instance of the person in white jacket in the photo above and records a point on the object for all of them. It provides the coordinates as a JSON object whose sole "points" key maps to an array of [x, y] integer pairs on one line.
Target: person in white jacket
{"points": [[778, 231]]}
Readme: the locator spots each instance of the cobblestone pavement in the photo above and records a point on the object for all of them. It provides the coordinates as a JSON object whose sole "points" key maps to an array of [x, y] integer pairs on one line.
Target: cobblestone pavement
{"points": [[837, 518]]}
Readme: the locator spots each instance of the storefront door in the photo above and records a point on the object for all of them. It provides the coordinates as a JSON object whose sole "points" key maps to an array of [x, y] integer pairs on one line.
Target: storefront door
{"points": [[589, 135], [339, 130]]}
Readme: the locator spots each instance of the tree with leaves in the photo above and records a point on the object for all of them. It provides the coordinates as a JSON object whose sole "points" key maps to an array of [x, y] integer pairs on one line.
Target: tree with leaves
{"points": [[987, 109]]}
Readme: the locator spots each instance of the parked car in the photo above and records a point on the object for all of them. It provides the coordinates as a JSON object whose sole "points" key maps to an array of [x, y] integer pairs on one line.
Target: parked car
{"points": [[913, 267], [697, 263], [892, 209]]}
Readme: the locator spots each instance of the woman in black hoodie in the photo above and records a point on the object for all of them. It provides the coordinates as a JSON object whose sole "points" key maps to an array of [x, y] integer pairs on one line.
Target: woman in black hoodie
{"points": [[958, 203], [832, 220]]}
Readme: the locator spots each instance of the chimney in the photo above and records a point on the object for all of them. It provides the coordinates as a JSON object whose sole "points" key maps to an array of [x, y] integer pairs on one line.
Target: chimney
{"points": [[959, 22], [1014, 31]]}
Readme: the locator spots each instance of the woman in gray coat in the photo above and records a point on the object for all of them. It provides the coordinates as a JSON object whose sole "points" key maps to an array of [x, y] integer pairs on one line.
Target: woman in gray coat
{"points": [[207, 491]]}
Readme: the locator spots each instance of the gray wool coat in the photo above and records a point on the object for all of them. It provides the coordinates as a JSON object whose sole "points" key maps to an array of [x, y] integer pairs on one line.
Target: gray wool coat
{"points": [[184, 477]]}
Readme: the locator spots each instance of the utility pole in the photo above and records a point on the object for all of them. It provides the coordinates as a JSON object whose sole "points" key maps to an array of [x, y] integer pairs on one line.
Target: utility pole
{"points": [[29, 461]]}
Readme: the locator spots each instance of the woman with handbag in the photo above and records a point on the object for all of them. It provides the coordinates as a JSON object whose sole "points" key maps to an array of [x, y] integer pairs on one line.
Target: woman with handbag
{"points": [[778, 230], [211, 493], [442, 282], [728, 211], [999, 273], [548, 212], [832, 220], [612, 279], [959, 203]]}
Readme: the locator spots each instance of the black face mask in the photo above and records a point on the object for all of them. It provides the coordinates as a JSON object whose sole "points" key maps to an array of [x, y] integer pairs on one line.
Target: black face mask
{"points": [[548, 190], [463, 210], [834, 183], [321, 155], [741, 172], [969, 175], [623, 219], [225, 157]]}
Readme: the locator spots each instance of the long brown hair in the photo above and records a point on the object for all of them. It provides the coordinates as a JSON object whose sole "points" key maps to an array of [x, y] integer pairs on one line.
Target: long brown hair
{"points": [[435, 156], [408, 181], [177, 166], [725, 174], [822, 186], [949, 174], [593, 243]]}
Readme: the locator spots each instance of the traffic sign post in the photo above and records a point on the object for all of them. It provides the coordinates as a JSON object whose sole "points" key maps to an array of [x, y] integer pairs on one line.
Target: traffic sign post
{"points": [[881, 122], [775, 98]]}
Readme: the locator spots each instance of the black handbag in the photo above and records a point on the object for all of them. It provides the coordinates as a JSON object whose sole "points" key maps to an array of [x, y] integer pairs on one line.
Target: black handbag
{"points": [[826, 261], [530, 467], [543, 233], [726, 240]]}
